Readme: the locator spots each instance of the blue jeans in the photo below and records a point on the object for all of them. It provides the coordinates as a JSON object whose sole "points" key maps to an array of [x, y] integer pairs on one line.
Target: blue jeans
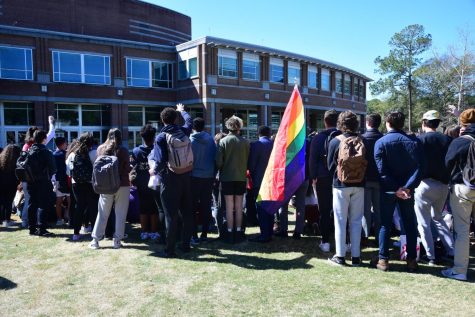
{"points": [[408, 219]]}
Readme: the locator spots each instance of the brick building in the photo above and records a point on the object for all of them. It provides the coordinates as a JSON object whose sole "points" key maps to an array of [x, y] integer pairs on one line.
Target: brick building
{"points": [[96, 65]]}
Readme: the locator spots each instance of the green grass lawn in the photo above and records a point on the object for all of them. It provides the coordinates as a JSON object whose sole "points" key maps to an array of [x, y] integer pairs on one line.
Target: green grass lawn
{"points": [[56, 277]]}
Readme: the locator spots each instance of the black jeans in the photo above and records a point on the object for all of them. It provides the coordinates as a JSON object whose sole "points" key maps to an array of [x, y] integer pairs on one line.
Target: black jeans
{"points": [[202, 195], [175, 192], [86, 205], [325, 201], [40, 202], [6, 202]]}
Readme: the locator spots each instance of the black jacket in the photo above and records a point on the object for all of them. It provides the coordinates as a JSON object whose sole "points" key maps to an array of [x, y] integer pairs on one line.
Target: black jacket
{"points": [[317, 156], [43, 161], [456, 157], [370, 138], [435, 146]]}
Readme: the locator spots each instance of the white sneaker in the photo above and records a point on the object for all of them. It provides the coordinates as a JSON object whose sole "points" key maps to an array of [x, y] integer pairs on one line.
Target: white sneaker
{"points": [[76, 237], [145, 235], [94, 244], [154, 236], [83, 230], [325, 247], [449, 273], [117, 244], [348, 248], [60, 222], [6, 224]]}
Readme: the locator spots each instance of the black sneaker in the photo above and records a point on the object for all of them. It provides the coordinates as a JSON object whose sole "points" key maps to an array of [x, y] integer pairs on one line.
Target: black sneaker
{"points": [[34, 232], [282, 234], [45, 233], [336, 260], [356, 262], [229, 237], [296, 236], [240, 236], [165, 254], [425, 259]]}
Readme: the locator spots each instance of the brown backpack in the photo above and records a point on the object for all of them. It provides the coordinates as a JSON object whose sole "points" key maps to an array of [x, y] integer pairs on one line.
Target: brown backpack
{"points": [[352, 161]]}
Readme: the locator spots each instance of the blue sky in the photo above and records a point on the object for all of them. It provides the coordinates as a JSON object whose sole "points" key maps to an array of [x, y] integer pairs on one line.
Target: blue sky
{"points": [[349, 33]]}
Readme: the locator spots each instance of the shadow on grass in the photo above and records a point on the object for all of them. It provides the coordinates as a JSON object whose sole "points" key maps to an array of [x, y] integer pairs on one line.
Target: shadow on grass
{"points": [[6, 284]]}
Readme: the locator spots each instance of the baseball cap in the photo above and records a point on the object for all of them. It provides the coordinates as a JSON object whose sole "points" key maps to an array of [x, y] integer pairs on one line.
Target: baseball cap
{"points": [[431, 115]]}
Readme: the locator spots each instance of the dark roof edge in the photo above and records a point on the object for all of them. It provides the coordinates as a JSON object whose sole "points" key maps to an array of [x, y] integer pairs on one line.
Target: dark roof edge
{"points": [[271, 51]]}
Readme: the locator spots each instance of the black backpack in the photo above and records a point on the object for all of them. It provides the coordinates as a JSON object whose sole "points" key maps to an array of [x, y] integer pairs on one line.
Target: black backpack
{"points": [[25, 168], [468, 172], [82, 169]]}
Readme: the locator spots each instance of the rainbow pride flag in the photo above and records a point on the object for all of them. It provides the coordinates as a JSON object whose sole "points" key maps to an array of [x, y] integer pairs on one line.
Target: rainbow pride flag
{"points": [[285, 171]]}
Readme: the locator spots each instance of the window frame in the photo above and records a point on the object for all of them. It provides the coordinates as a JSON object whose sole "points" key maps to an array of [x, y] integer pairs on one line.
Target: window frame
{"points": [[254, 59], [188, 74], [312, 70], [294, 67], [325, 79], [107, 68], [150, 78], [25, 70]]}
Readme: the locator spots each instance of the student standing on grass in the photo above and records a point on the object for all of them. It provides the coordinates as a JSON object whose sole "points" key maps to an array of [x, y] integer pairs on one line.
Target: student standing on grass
{"points": [[347, 163], [8, 181], [149, 199], [399, 160], [321, 177], [175, 186], [202, 176], [80, 163], [41, 188], [231, 161], [372, 212], [60, 181], [462, 196], [259, 155], [29, 140], [430, 196], [120, 200]]}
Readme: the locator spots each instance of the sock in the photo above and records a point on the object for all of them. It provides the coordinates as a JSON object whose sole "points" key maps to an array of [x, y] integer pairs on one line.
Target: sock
{"points": [[238, 228]]}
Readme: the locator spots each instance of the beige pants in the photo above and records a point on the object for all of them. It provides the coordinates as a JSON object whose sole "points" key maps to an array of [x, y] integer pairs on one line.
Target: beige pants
{"points": [[121, 202], [462, 201]]}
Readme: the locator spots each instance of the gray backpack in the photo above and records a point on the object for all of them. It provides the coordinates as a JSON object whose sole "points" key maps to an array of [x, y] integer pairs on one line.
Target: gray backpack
{"points": [[105, 175]]}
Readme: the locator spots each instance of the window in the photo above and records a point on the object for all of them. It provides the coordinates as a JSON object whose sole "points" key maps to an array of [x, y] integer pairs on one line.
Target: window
{"points": [[146, 73], [227, 63], [325, 79], [276, 118], [293, 73], [276, 70], [16, 63], [188, 68], [347, 86], [362, 89], [338, 84], [250, 67], [355, 86], [18, 113], [312, 76], [81, 68]]}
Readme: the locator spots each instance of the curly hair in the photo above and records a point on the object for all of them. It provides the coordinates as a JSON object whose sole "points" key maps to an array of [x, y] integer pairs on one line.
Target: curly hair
{"points": [[347, 122], [8, 157], [234, 124]]}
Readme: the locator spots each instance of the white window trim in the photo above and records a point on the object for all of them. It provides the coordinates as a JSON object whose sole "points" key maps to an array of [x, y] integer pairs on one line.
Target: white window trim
{"points": [[150, 79], [254, 58], [187, 65], [236, 70], [83, 74], [26, 71]]}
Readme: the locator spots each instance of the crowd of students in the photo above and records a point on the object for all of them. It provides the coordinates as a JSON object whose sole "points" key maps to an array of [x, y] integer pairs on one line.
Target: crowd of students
{"points": [[183, 170]]}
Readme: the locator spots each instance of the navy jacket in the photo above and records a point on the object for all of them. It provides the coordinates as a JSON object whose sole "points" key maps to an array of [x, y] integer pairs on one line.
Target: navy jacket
{"points": [[204, 153], [317, 160], [333, 150], [370, 138], [60, 161], [259, 155], [399, 160], [160, 151], [456, 157], [435, 146]]}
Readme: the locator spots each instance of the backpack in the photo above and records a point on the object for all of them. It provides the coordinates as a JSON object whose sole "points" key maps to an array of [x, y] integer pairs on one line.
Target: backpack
{"points": [[468, 172], [330, 137], [28, 167], [105, 175], [352, 162], [180, 154], [82, 169], [140, 173]]}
